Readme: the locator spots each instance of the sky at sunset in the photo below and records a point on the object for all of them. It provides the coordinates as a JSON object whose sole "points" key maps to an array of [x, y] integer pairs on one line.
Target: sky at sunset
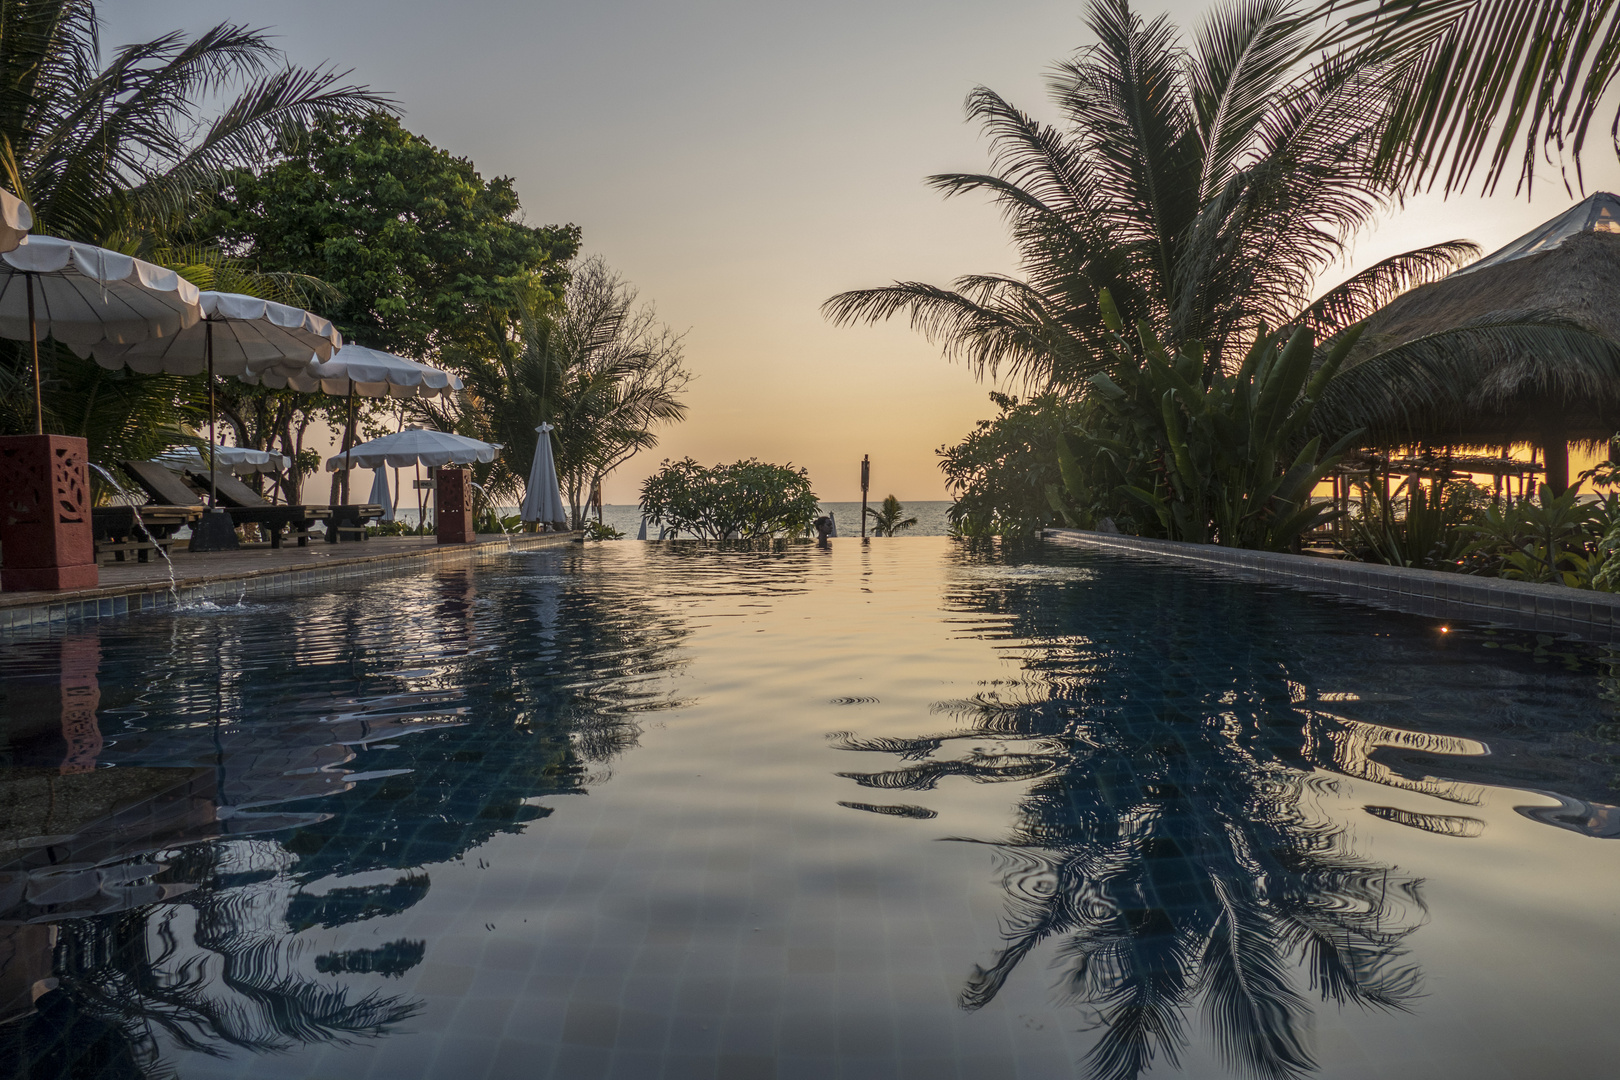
{"points": [[739, 162]]}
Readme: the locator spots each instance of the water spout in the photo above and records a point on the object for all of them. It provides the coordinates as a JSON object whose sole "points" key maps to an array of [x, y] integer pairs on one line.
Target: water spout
{"points": [[494, 512], [174, 586]]}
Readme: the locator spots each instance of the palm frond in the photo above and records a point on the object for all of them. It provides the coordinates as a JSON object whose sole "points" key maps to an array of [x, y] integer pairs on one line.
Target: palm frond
{"points": [[1492, 77], [1364, 293], [1242, 58]]}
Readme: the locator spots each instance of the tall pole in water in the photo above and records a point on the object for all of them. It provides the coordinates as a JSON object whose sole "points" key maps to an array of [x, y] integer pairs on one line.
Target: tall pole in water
{"points": [[866, 482]]}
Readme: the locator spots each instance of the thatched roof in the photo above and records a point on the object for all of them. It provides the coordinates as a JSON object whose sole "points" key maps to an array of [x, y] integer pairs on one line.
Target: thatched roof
{"points": [[1497, 385]]}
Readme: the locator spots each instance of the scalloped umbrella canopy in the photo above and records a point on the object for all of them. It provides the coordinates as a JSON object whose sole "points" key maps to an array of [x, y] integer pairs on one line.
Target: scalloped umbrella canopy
{"points": [[543, 499], [369, 373], [15, 220], [84, 294], [240, 460], [81, 294], [250, 335], [415, 447]]}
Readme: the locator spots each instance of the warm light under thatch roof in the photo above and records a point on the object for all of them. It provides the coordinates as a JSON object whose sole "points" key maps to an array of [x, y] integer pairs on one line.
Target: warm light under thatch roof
{"points": [[1521, 346]]}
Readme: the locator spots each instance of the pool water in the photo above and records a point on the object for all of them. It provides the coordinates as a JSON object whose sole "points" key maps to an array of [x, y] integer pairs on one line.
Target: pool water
{"points": [[887, 810]]}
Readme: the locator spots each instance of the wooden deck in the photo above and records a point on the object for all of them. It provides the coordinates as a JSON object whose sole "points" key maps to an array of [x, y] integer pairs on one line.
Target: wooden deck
{"points": [[137, 586]]}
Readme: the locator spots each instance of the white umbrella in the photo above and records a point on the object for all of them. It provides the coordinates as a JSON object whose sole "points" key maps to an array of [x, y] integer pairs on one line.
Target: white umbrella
{"points": [[414, 447], [543, 499], [240, 460], [357, 370], [15, 220], [244, 334], [81, 294], [380, 493], [238, 335]]}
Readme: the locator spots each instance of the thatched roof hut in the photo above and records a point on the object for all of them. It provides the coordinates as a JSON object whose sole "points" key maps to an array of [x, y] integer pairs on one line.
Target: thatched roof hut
{"points": [[1521, 346]]}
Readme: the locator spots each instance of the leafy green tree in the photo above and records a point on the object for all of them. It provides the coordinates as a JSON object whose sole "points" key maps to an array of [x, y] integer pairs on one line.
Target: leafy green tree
{"points": [[1206, 186], [888, 521], [747, 500], [426, 253], [599, 368], [1001, 474]]}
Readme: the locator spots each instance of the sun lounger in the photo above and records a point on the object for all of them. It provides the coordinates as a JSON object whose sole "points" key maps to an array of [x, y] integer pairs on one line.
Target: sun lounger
{"points": [[246, 506], [163, 485], [119, 533]]}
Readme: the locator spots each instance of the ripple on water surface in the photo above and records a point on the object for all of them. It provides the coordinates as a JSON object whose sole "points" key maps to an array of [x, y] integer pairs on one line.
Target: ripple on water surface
{"points": [[893, 810]]}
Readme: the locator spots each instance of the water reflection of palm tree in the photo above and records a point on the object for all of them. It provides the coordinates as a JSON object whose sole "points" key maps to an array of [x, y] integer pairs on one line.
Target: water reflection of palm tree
{"points": [[1169, 843], [1175, 862]]}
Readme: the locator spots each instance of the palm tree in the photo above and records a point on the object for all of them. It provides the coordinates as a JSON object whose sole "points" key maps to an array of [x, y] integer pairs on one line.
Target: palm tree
{"points": [[887, 521], [603, 371], [103, 152], [1206, 187], [1489, 76]]}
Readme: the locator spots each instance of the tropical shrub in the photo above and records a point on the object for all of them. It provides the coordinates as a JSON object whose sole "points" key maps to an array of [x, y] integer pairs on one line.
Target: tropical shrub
{"points": [[746, 500], [1554, 539], [1001, 474], [1209, 456], [1434, 530]]}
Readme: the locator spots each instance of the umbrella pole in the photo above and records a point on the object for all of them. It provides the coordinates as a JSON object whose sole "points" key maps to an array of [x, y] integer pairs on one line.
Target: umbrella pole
{"points": [[348, 444], [213, 437], [33, 340]]}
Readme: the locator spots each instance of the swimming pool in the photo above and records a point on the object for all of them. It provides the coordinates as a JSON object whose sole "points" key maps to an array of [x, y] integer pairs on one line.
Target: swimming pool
{"points": [[903, 809]]}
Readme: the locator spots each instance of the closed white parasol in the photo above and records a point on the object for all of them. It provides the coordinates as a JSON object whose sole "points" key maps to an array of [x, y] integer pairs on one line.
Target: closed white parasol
{"points": [[81, 294], [543, 499], [381, 495], [414, 447]]}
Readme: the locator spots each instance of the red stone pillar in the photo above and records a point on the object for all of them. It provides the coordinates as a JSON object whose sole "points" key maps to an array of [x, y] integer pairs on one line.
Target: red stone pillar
{"points": [[455, 506], [45, 538]]}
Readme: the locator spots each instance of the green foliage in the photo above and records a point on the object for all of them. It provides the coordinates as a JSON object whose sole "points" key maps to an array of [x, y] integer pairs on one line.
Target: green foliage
{"points": [[1212, 457], [1554, 539], [1433, 530], [747, 500], [426, 253], [115, 153], [597, 530], [888, 521], [396, 527], [1504, 78], [1001, 473], [104, 152], [599, 368]]}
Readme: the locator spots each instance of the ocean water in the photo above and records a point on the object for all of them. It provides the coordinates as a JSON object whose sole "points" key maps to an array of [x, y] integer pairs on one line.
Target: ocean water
{"points": [[914, 809]]}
